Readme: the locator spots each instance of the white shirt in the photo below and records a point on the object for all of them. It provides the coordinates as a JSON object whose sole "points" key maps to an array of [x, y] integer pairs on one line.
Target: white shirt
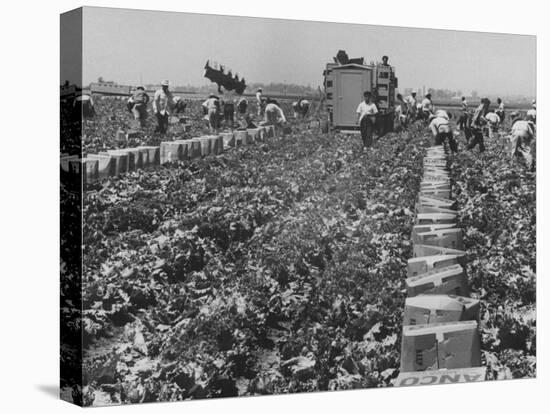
{"points": [[259, 97], [523, 129], [440, 113], [210, 104], [440, 125], [492, 118], [272, 110], [501, 107], [426, 105], [410, 101], [532, 113], [366, 109], [163, 102]]}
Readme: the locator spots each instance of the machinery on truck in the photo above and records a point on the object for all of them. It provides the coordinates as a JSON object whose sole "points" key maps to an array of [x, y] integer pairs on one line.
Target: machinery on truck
{"points": [[345, 81]]}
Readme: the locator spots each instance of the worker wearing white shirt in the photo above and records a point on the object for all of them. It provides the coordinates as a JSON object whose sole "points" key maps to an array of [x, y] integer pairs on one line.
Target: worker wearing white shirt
{"points": [[163, 103], [411, 104], [427, 107], [273, 114], [212, 109], [500, 109], [301, 108], [463, 120], [440, 127], [366, 118], [259, 101], [493, 122], [523, 133]]}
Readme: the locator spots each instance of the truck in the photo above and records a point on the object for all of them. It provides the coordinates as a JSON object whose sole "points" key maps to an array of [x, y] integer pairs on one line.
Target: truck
{"points": [[345, 81]]}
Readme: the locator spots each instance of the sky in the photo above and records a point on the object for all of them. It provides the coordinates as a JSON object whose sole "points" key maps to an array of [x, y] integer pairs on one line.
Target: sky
{"points": [[134, 46]]}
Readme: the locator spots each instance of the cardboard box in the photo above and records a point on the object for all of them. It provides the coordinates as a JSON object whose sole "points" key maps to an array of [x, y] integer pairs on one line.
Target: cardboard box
{"points": [[435, 218], [135, 156], [441, 376], [436, 201], [427, 309], [450, 238], [447, 345], [420, 250], [241, 138], [435, 192], [435, 185], [450, 280], [425, 209], [153, 154], [424, 264], [91, 169], [254, 134], [423, 228], [270, 131], [120, 160], [228, 139], [170, 151], [106, 165], [194, 148], [439, 161]]}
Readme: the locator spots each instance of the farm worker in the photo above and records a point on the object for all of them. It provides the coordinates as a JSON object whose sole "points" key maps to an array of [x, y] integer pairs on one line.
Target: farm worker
{"points": [[427, 106], [179, 105], [493, 121], [137, 104], [301, 108], [228, 113], [411, 103], [163, 103], [259, 101], [366, 118], [532, 113], [242, 106], [500, 109], [273, 114], [385, 61], [478, 124], [83, 105], [401, 111], [462, 121], [212, 109], [440, 127], [523, 133]]}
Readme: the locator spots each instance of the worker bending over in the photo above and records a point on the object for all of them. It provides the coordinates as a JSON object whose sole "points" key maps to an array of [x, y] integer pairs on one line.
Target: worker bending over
{"points": [[300, 108], [273, 114], [442, 132], [523, 133], [493, 122]]}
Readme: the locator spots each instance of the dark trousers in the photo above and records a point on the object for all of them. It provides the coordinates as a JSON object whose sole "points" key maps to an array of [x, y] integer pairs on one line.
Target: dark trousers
{"points": [[477, 139], [367, 126], [228, 111], [443, 137], [462, 121], [162, 123]]}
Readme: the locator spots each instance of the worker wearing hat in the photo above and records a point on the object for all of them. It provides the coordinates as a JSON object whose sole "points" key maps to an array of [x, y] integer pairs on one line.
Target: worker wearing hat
{"points": [[163, 104], [259, 101], [478, 124], [137, 105], [522, 135], [366, 118]]}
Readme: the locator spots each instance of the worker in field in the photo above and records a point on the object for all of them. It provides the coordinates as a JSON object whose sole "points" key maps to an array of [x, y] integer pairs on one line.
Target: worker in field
{"points": [[259, 101], [401, 111], [366, 119], [478, 124], [532, 113], [493, 122], [385, 61], [523, 133], [179, 105], [500, 109], [440, 126], [228, 113], [212, 108], [427, 106], [163, 105], [242, 106], [137, 104], [301, 108], [273, 114], [462, 120], [411, 105]]}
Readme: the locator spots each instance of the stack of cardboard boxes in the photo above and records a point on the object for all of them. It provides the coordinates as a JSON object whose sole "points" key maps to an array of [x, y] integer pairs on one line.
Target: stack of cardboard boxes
{"points": [[440, 342]]}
